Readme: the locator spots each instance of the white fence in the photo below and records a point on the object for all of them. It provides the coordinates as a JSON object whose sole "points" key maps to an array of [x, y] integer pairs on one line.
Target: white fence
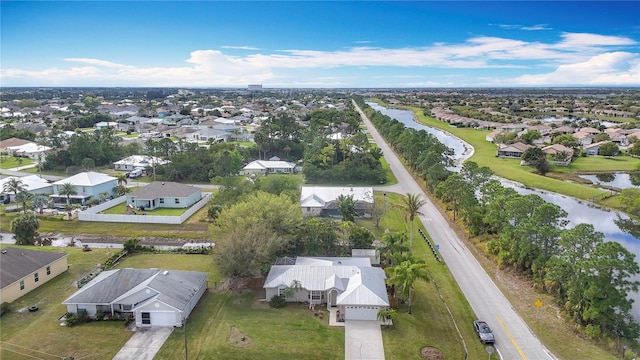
{"points": [[92, 213]]}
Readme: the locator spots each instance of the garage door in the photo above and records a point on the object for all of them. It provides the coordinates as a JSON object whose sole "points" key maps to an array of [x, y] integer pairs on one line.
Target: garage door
{"points": [[361, 312], [163, 318]]}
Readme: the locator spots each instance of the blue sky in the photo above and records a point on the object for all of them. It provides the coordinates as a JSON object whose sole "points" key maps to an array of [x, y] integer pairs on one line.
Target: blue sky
{"points": [[320, 44]]}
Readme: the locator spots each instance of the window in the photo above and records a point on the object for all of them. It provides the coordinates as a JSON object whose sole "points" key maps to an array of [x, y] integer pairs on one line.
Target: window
{"points": [[146, 318], [281, 290], [126, 307], [177, 201], [48, 270], [161, 200], [21, 284], [316, 295], [35, 277]]}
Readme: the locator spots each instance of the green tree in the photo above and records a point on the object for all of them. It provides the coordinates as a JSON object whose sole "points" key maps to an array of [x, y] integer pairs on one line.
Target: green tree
{"points": [[530, 136], [347, 207], [68, 189], [567, 140], [25, 229], [24, 198], [13, 185], [609, 149], [536, 157], [40, 201], [411, 204], [392, 243], [122, 179], [404, 275], [317, 237], [359, 236]]}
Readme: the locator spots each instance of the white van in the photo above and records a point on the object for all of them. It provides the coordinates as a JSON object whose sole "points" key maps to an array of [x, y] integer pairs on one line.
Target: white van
{"points": [[135, 173]]}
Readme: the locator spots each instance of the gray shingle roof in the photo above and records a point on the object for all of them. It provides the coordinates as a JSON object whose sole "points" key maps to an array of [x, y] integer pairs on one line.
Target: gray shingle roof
{"points": [[174, 287], [164, 189], [16, 263]]}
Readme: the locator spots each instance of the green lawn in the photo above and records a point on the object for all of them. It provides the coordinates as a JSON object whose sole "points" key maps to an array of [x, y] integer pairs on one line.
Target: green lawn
{"points": [[121, 209], [13, 162], [29, 335]]}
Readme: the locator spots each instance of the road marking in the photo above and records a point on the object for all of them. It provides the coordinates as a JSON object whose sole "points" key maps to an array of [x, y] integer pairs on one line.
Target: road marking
{"points": [[524, 357]]}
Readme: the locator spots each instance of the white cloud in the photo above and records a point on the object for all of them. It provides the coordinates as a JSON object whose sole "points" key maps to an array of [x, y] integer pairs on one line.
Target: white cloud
{"points": [[578, 58], [536, 27], [615, 68], [240, 47]]}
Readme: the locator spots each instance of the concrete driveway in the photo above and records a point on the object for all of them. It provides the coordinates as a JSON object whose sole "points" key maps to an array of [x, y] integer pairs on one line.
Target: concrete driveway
{"points": [[363, 340], [144, 344]]}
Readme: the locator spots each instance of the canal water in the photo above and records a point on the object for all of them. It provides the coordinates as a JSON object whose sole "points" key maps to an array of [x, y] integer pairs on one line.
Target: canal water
{"points": [[577, 211]]}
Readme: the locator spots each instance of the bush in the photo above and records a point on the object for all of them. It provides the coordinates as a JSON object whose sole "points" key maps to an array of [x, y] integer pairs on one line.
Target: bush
{"points": [[592, 331], [277, 301], [4, 308]]}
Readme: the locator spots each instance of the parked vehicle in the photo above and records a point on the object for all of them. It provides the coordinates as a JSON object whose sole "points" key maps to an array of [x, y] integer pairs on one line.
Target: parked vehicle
{"points": [[484, 332], [135, 173]]}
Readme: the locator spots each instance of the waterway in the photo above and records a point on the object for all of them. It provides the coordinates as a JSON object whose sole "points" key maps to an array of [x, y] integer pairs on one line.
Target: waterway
{"points": [[577, 211]]}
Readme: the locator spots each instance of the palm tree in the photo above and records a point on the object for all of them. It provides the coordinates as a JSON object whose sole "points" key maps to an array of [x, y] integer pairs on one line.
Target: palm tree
{"points": [[405, 274], [40, 201], [13, 185], [347, 207], [392, 243], [68, 189], [24, 197], [122, 179], [411, 205]]}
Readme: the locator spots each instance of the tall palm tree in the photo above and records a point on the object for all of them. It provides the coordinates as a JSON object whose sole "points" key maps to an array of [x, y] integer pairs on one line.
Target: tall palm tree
{"points": [[68, 189], [392, 243], [405, 274], [347, 207], [24, 197], [13, 185], [40, 201], [411, 205], [122, 179]]}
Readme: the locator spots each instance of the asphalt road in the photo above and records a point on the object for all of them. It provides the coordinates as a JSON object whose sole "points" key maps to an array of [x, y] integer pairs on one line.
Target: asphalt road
{"points": [[514, 339]]}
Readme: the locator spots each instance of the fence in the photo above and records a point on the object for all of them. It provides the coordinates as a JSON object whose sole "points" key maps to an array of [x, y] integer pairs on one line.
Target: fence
{"points": [[92, 214]]}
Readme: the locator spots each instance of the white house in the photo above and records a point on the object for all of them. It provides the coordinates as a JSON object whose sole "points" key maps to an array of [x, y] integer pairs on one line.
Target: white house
{"points": [[351, 285], [30, 150], [87, 185], [322, 200], [265, 167], [33, 184], [155, 297], [164, 195], [136, 161]]}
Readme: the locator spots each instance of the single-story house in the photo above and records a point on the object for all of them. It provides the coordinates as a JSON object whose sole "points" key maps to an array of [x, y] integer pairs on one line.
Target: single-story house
{"points": [[33, 184], [323, 200], [87, 184], [594, 149], [164, 195], [23, 270], [31, 150], [12, 142], [136, 161], [515, 150], [265, 167], [352, 285], [559, 148], [106, 125], [155, 297], [585, 138]]}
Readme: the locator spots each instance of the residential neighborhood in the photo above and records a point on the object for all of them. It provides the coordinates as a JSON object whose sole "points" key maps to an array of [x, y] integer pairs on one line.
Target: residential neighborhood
{"points": [[285, 191]]}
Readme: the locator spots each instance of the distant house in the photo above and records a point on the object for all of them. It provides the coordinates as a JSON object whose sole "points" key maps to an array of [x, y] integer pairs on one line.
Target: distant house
{"points": [[559, 148], [23, 270], [164, 195], [106, 125], [136, 161], [594, 149], [154, 297], [33, 184], [351, 285], [29, 150], [265, 167], [512, 151], [87, 185], [584, 138], [12, 142], [323, 200]]}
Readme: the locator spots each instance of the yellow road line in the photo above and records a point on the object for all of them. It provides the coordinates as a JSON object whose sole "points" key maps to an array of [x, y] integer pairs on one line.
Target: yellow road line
{"points": [[524, 357]]}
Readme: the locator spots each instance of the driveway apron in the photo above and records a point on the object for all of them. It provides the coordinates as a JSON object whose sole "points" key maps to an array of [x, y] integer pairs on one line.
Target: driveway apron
{"points": [[144, 344], [363, 340]]}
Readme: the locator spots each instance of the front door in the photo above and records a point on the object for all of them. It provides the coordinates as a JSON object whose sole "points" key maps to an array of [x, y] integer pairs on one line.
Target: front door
{"points": [[146, 318], [333, 295]]}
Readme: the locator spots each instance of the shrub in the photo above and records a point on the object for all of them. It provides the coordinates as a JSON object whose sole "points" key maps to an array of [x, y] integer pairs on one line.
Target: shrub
{"points": [[277, 301], [4, 308], [592, 331]]}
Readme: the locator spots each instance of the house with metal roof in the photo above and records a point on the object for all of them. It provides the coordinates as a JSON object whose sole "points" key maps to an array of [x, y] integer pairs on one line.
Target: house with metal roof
{"points": [[33, 184], [87, 185], [138, 161], [155, 297], [160, 194], [323, 200], [23, 270], [265, 167], [349, 284]]}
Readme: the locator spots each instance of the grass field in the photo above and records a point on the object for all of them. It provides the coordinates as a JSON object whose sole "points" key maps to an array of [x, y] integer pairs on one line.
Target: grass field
{"points": [[10, 162]]}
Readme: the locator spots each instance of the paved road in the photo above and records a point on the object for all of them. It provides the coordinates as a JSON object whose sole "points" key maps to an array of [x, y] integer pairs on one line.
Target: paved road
{"points": [[514, 339]]}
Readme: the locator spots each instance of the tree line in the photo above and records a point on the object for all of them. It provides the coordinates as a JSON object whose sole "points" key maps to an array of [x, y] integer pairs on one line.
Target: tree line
{"points": [[591, 278]]}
